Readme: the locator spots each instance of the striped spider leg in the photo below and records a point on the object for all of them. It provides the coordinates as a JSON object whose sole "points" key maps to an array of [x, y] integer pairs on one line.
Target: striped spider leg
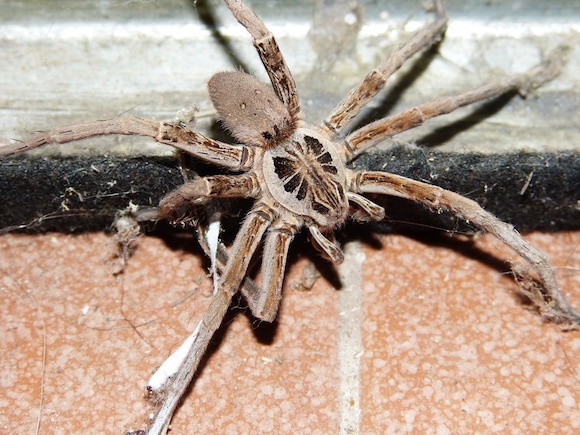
{"points": [[296, 174]]}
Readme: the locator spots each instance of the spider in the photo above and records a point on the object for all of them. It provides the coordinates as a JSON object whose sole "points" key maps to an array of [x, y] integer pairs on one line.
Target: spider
{"points": [[298, 177]]}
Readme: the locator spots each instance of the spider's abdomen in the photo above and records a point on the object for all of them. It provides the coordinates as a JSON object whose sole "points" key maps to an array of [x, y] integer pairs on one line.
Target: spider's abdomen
{"points": [[306, 176], [250, 109]]}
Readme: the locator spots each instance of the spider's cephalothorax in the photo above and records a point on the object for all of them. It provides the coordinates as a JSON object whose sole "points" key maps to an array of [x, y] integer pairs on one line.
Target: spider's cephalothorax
{"points": [[297, 175], [306, 176], [300, 167]]}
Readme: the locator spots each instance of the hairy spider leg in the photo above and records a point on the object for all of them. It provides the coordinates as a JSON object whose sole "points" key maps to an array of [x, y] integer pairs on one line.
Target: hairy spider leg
{"points": [[550, 301], [271, 56], [239, 157], [245, 244], [203, 188], [265, 303], [361, 94], [372, 134]]}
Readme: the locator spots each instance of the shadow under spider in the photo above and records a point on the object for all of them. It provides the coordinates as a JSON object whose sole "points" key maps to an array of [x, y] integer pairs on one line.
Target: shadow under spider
{"points": [[206, 12], [264, 332], [441, 238]]}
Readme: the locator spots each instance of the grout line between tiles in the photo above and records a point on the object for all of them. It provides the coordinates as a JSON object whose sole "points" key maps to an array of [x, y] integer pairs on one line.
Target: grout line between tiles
{"points": [[349, 338]]}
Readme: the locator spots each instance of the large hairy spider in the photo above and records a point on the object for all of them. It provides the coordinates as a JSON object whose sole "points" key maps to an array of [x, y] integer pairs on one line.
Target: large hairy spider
{"points": [[297, 175]]}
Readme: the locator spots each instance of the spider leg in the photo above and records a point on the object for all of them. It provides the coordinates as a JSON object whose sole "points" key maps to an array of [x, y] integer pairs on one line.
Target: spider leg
{"points": [[122, 126], [180, 199], [326, 246], [375, 132], [265, 302], [238, 157], [549, 299], [245, 244], [248, 287], [224, 186], [360, 95], [369, 210], [271, 56]]}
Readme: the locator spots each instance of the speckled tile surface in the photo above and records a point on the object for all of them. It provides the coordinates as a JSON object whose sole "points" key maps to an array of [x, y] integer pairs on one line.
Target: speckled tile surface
{"points": [[446, 345], [450, 349]]}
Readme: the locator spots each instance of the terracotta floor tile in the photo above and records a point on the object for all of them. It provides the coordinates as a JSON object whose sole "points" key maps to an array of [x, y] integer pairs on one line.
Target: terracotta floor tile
{"points": [[444, 343], [106, 335], [449, 348]]}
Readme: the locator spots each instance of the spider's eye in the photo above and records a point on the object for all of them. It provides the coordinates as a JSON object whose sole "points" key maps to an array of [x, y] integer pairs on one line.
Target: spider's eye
{"points": [[250, 109]]}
